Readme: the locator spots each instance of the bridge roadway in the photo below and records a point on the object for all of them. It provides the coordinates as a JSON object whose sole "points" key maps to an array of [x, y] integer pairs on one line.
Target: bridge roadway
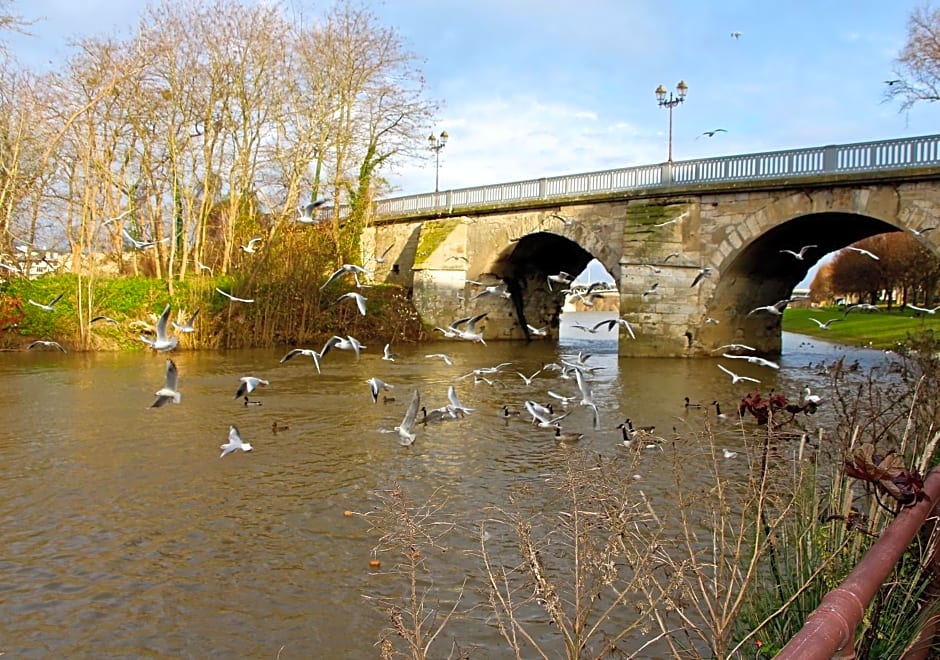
{"points": [[655, 229]]}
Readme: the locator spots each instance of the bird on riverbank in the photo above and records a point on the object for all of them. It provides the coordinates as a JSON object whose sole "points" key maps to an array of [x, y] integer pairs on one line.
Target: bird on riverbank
{"points": [[234, 298], [735, 378], [248, 385], [169, 391], [46, 343], [308, 352], [50, 306], [234, 443], [802, 253], [161, 342]]}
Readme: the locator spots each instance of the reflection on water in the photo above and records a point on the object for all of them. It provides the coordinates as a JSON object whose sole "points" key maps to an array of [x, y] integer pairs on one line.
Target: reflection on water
{"points": [[125, 533]]}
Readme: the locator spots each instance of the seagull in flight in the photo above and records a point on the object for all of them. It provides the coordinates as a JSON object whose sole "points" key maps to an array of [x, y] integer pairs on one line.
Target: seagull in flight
{"points": [[252, 245], [234, 298], [308, 352], [890, 83], [387, 353], [347, 343], [50, 306], [753, 359], [141, 245], [776, 309], [735, 35], [202, 266], [824, 325], [528, 379], [712, 132], [95, 319], [347, 268], [865, 252], [922, 232], [541, 415], [470, 332], [406, 430], [234, 443], [248, 385], [188, 326], [561, 277], [44, 342], [924, 310], [702, 272], [735, 378], [802, 253], [376, 385], [306, 212], [734, 347], [358, 297], [537, 332], [443, 356], [161, 342], [611, 323], [381, 258], [169, 391]]}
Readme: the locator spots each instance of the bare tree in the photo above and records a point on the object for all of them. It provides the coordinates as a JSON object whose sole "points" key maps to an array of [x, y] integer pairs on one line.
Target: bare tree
{"points": [[917, 69]]}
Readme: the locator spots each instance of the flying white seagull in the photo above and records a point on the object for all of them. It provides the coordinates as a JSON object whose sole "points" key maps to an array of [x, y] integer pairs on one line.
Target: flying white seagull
{"points": [[161, 342], [347, 268], [406, 430], [776, 309], [348, 343], [753, 359], [50, 306], [306, 212], [824, 325], [188, 326], [308, 352], [865, 252], [802, 253], [234, 443], [387, 353], [358, 297], [169, 391], [141, 245], [736, 378], [376, 385], [248, 385], [233, 298], [252, 245]]}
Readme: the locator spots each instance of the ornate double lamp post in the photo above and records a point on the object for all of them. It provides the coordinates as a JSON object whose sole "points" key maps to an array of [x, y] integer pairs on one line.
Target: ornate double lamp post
{"points": [[671, 102], [435, 144]]}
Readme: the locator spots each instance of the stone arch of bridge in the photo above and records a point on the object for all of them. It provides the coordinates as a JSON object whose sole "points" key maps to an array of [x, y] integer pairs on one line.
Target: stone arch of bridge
{"points": [[758, 273], [525, 266]]}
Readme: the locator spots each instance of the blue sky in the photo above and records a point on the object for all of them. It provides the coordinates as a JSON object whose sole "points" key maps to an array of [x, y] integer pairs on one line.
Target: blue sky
{"points": [[542, 88]]}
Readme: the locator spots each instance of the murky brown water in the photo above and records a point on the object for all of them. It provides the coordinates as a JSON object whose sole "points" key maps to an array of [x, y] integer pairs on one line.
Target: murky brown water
{"points": [[125, 535]]}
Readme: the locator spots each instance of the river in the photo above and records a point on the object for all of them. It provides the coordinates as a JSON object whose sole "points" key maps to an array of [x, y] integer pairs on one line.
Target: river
{"points": [[125, 535]]}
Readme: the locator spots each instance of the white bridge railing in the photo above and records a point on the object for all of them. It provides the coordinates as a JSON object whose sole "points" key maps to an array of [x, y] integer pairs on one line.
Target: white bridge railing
{"points": [[877, 156]]}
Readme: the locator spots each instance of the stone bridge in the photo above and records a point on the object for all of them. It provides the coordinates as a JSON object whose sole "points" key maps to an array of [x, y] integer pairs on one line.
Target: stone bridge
{"points": [[655, 229]]}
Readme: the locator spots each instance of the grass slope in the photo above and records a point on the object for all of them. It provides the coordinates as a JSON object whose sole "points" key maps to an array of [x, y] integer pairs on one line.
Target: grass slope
{"points": [[884, 329]]}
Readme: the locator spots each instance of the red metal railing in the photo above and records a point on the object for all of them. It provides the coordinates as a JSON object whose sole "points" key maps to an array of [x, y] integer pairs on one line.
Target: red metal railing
{"points": [[829, 631]]}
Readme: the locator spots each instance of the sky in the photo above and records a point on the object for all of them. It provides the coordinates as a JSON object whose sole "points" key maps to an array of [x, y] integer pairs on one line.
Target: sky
{"points": [[535, 88]]}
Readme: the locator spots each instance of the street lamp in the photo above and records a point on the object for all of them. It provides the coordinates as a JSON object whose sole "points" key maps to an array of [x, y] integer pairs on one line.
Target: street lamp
{"points": [[435, 144], [681, 90]]}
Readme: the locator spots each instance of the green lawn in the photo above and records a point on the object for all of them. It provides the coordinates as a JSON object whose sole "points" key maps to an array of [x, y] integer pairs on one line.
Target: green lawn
{"points": [[882, 329]]}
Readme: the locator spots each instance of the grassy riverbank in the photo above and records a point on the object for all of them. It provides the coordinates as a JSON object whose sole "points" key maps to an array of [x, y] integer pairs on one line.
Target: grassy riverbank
{"points": [[280, 315], [884, 329]]}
